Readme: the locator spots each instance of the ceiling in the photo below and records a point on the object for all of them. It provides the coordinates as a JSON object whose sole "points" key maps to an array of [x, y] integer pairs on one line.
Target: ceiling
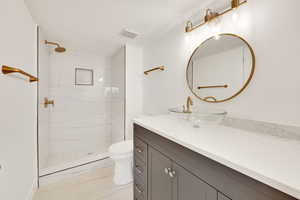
{"points": [[95, 25]]}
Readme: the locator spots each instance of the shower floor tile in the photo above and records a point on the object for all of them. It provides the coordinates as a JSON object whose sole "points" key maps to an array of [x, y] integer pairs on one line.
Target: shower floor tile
{"points": [[94, 185]]}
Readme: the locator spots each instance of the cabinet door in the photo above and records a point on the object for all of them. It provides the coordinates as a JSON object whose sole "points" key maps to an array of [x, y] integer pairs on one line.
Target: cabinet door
{"points": [[159, 182], [222, 197], [186, 186]]}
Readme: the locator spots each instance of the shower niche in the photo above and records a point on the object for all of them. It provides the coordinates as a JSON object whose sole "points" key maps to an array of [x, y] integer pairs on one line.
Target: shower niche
{"points": [[84, 76], [84, 121]]}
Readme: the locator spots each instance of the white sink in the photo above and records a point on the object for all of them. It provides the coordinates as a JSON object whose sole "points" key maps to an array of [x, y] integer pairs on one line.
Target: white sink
{"points": [[179, 113], [201, 116]]}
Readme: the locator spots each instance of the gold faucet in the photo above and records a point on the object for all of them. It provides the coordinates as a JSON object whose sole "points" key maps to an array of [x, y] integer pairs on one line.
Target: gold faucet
{"points": [[189, 103]]}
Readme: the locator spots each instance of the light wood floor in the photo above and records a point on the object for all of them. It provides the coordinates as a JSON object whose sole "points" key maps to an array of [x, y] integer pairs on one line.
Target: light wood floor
{"points": [[95, 185]]}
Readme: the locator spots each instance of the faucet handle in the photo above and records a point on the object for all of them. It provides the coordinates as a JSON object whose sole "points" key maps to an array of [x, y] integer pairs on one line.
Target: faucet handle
{"points": [[190, 100]]}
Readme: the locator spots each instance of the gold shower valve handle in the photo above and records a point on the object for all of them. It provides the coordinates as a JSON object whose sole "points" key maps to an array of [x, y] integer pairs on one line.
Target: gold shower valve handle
{"points": [[48, 102]]}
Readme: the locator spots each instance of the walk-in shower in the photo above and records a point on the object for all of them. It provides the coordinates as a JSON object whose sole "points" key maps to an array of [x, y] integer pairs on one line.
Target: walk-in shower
{"points": [[77, 123]]}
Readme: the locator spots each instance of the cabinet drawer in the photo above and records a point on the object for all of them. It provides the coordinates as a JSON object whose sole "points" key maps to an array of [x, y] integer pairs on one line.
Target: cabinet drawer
{"points": [[140, 190], [139, 198], [140, 149], [222, 197], [140, 170]]}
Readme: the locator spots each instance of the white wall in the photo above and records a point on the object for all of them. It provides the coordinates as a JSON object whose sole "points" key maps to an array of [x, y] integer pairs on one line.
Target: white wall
{"points": [[80, 121], [272, 30], [118, 95], [134, 87], [18, 103]]}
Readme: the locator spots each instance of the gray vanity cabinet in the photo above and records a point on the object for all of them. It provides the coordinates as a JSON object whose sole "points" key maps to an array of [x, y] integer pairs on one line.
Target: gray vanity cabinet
{"points": [[159, 181], [165, 170], [168, 181], [222, 197], [186, 186]]}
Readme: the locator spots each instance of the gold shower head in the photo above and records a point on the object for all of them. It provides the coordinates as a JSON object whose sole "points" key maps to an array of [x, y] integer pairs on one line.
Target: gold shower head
{"points": [[58, 49]]}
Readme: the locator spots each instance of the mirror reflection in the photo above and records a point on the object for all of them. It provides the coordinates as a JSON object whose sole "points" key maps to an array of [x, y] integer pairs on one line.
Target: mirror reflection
{"points": [[220, 68]]}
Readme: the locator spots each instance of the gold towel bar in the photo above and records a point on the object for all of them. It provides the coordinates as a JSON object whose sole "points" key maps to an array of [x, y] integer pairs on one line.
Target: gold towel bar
{"points": [[213, 86], [8, 70], [162, 68]]}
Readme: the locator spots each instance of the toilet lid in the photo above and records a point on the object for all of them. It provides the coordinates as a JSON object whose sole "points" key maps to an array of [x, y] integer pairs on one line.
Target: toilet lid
{"points": [[122, 147]]}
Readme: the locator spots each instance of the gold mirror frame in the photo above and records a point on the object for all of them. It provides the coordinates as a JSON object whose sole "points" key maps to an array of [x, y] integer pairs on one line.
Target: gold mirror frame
{"points": [[206, 99]]}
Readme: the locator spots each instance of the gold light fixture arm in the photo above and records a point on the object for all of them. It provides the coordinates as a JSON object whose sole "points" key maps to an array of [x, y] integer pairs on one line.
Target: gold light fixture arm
{"points": [[210, 15], [8, 70], [162, 68], [212, 86]]}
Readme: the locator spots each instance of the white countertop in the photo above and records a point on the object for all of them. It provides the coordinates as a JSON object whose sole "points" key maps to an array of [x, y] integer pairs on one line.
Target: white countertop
{"points": [[272, 160]]}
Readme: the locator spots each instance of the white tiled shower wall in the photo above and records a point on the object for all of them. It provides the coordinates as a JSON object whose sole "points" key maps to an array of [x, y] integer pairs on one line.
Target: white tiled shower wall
{"points": [[80, 121]]}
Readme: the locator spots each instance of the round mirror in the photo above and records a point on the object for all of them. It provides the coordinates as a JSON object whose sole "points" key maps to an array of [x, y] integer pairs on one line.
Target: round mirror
{"points": [[220, 68]]}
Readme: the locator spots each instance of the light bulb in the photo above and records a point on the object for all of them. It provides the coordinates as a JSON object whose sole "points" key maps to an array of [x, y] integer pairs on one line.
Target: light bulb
{"points": [[217, 37]]}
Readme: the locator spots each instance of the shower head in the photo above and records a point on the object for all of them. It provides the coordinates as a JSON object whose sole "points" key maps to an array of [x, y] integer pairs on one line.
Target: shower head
{"points": [[58, 49]]}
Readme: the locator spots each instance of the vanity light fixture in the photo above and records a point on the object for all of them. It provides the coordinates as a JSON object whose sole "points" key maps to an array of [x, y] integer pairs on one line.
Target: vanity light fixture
{"points": [[211, 15], [189, 26]]}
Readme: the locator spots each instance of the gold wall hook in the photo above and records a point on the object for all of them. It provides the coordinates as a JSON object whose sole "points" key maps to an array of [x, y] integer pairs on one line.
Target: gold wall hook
{"points": [[48, 102], [162, 68], [8, 70]]}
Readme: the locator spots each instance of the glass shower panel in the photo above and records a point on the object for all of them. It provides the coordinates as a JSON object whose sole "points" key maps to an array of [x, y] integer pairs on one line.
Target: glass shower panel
{"points": [[75, 123]]}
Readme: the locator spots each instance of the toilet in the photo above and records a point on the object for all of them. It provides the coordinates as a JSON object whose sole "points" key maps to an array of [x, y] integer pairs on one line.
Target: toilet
{"points": [[122, 154]]}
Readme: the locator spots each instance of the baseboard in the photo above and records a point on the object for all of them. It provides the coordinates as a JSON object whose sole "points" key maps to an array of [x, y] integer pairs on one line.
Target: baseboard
{"points": [[32, 190]]}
